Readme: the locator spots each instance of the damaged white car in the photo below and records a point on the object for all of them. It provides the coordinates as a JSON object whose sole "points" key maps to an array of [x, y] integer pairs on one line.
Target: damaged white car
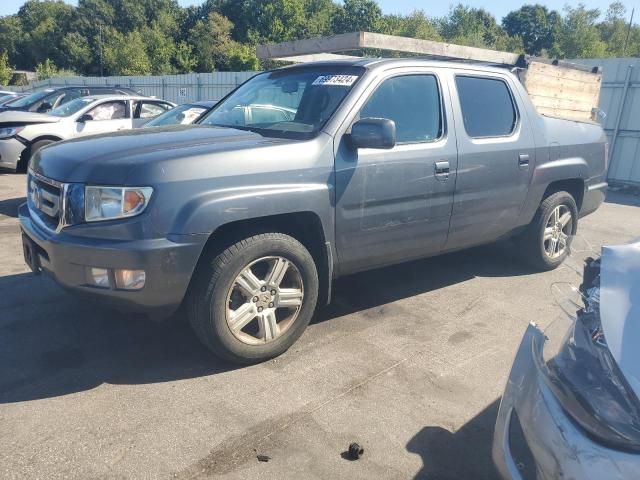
{"points": [[22, 134], [571, 408]]}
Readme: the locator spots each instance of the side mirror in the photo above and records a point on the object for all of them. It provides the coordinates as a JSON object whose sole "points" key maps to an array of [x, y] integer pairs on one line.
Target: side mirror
{"points": [[44, 107], [374, 133], [85, 118]]}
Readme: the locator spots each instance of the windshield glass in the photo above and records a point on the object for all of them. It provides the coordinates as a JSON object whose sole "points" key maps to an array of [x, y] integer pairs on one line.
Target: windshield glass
{"points": [[30, 99], [181, 115], [68, 109], [290, 103]]}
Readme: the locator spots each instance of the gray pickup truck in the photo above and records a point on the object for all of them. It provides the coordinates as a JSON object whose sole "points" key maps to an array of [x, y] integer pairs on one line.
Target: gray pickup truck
{"points": [[301, 175]]}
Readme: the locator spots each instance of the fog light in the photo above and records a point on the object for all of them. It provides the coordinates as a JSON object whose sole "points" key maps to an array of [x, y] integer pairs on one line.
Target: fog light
{"points": [[99, 277], [130, 279]]}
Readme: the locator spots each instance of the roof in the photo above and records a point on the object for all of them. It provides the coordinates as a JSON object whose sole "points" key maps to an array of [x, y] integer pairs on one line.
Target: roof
{"points": [[386, 63], [121, 97]]}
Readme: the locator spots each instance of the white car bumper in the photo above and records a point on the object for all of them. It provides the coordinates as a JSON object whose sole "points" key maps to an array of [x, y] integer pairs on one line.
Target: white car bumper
{"points": [[10, 151]]}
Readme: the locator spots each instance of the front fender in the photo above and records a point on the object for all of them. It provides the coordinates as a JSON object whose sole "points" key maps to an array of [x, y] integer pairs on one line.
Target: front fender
{"points": [[207, 212]]}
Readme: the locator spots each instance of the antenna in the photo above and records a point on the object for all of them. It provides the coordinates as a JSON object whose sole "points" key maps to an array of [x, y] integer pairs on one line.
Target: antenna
{"points": [[626, 40]]}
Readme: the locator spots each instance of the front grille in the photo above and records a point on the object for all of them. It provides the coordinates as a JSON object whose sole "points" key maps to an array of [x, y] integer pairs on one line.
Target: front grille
{"points": [[45, 199]]}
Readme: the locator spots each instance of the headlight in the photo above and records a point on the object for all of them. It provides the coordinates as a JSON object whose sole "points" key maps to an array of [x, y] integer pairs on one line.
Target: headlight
{"points": [[108, 203], [586, 380], [8, 132]]}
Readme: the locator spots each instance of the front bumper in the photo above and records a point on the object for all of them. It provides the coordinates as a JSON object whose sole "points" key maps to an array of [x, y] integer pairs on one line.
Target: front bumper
{"points": [[168, 262], [546, 443], [10, 152]]}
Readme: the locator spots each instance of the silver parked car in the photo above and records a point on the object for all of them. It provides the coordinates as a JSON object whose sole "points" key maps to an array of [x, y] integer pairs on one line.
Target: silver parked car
{"points": [[571, 408], [184, 114], [24, 133]]}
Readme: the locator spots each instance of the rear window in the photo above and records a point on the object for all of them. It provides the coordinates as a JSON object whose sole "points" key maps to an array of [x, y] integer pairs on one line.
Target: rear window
{"points": [[487, 106]]}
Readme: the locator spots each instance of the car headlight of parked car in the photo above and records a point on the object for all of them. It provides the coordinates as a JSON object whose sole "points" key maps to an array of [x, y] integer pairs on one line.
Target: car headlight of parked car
{"points": [[585, 378], [109, 203], [9, 132]]}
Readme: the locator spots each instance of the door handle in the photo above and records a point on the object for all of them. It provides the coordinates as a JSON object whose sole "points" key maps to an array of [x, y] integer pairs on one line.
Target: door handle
{"points": [[523, 160], [442, 168]]}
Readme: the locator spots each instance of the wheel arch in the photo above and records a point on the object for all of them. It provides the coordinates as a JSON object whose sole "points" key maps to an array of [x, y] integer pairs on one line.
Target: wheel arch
{"points": [[304, 226], [25, 156]]}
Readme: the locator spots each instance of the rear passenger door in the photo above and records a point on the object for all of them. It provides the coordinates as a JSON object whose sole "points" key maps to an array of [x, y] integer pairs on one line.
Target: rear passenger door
{"points": [[393, 205], [145, 110], [496, 155]]}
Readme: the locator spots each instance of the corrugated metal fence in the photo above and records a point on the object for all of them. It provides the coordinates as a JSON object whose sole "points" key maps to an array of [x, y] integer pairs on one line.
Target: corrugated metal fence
{"points": [[175, 88], [620, 100]]}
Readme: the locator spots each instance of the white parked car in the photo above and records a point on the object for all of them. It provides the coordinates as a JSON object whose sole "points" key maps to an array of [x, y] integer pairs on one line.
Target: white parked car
{"points": [[24, 133]]}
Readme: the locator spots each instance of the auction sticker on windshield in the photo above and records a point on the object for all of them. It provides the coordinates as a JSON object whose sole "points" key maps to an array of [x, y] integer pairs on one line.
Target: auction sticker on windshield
{"points": [[336, 80]]}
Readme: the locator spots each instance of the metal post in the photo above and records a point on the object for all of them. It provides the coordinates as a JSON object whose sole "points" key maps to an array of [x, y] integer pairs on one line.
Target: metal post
{"points": [[616, 127], [199, 84], [163, 88]]}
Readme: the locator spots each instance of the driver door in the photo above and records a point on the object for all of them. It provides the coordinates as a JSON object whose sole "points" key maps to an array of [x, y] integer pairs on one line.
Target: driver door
{"points": [[109, 116], [395, 205]]}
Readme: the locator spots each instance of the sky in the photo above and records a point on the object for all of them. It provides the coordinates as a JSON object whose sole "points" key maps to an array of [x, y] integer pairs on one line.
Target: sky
{"points": [[499, 8]]}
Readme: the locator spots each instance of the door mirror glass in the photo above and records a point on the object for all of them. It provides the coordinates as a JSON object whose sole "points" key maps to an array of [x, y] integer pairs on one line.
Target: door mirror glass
{"points": [[85, 118], [374, 133]]}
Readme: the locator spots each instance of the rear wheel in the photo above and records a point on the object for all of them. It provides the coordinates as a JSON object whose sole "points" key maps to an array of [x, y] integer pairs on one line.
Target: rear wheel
{"points": [[254, 300], [545, 244]]}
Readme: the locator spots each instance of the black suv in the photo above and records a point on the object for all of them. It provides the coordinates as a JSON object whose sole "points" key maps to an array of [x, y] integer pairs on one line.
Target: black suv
{"points": [[50, 98]]}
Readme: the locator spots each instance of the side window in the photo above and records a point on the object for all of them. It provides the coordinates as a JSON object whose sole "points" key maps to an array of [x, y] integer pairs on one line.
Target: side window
{"points": [[487, 106], [68, 96], [150, 110], [109, 111], [413, 103]]}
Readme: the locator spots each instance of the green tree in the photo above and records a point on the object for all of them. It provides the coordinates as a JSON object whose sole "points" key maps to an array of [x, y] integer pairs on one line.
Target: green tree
{"points": [[44, 25], [358, 15], [535, 24], [5, 69], [125, 54], [415, 25], [578, 36], [185, 59], [12, 39], [614, 30], [475, 27], [215, 49], [46, 69], [77, 53]]}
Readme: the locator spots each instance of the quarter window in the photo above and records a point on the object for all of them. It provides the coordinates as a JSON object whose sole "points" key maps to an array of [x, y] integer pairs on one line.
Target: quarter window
{"points": [[413, 103], [487, 107]]}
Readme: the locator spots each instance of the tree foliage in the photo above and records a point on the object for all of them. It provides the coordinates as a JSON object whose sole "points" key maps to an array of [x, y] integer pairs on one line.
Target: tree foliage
{"points": [[5, 69], [120, 37], [535, 24]]}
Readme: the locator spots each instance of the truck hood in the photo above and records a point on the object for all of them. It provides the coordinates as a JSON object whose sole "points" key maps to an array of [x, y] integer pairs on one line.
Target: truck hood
{"points": [[620, 307], [109, 158], [17, 117]]}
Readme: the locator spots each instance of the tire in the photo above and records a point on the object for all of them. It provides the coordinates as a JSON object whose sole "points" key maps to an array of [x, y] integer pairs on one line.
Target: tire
{"points": [[33, 148], [220, 298], [541, 252]]}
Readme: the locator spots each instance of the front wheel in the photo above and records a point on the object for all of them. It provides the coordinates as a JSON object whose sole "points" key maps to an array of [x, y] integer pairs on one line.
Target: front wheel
{"points": [[545, 244], [253, 301]]}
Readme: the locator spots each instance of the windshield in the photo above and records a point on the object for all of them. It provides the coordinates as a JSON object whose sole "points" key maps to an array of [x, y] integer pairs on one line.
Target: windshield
{"points": [[291, 103], [69, 108], [181, 115], [30, 99]]}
